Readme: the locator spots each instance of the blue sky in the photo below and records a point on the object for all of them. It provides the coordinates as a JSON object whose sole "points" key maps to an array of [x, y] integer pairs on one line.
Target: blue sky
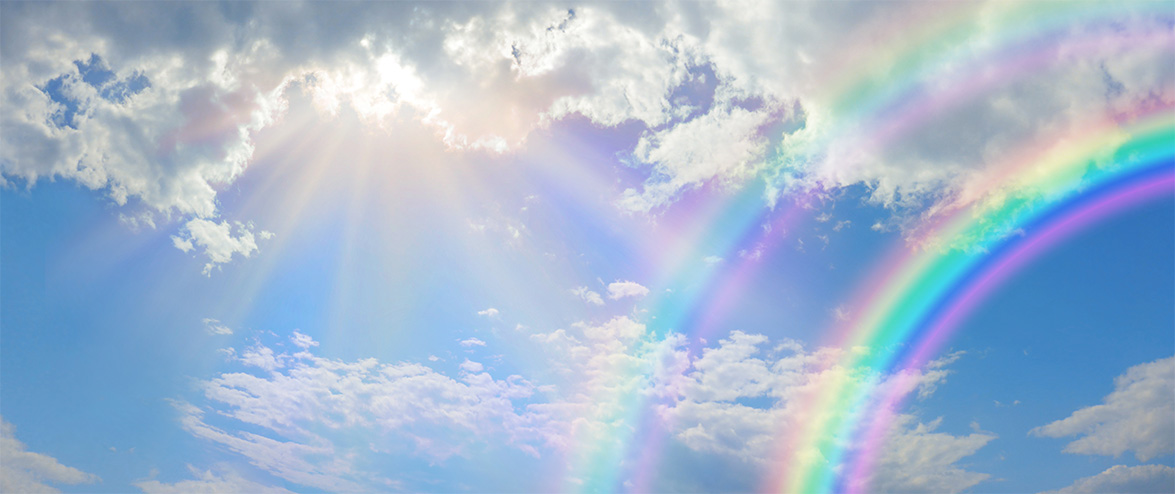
{"points": [[435, 247]]}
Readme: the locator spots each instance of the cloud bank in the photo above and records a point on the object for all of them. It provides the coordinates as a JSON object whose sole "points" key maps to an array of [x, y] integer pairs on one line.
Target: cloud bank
{"points": [[120, 99], [285, 411]]}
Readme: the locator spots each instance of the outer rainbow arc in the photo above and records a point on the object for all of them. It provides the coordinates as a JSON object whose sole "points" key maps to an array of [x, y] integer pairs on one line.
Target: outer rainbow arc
{"points": [[1153, 183], [1161, 41], [866, 101], [925, 280]]}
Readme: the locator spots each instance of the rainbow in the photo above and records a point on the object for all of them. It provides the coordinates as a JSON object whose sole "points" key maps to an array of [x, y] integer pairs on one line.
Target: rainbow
{"points": [[1053, 185], [912, 308]]}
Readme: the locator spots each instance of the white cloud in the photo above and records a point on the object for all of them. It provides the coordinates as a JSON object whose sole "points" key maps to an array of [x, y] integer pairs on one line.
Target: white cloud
{"points": [[216, 327], [490, 312], [306, 464], [1139, 479], [620, 289], [412, 409], [24, 471], [216, 240], [207, 482], [1136, 416], [587, 295], [471, 366], [471, 342], [390, 403], [176, 118], [702, 400], [262, 357], [726, 144], [302, 341], [708, 415], [918, 459]]}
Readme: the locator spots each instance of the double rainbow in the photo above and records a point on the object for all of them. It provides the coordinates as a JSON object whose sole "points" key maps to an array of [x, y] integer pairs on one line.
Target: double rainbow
{"points": [[1052, 186], [912, 308]]}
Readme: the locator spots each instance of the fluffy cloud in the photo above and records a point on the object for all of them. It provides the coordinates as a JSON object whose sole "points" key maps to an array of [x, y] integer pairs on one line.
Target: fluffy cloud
{"points": [[282, 408], [24, 471], [710, 412], [728, 143], [1136, 416], [490, 312], [216, 240], [1121, 478], [208, 482], [120, 100], [278, 415], [621, 289]]}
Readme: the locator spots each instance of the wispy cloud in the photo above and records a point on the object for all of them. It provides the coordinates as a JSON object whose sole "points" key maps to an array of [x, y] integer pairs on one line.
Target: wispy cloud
{"points": [[588, 295], [1136, 416], [25, 471], [216, 327]]}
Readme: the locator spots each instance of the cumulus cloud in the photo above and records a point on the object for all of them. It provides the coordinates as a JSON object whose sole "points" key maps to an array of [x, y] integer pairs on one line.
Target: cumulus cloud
{"points": [[1141, 479], [588, 295], [25, 471], [703, 400], [216, 240], [490, 312], [711, 415], [120, 101], [621, 289], [472, 342], [216, 327], [209, 482], [1135, 417], [471, 366], [279, 409]]}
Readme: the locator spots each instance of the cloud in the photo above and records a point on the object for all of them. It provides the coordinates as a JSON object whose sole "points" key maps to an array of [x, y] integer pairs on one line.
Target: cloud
{"points": [[215, 327], [1136, 416], [711, 413], [302, 341], [918, 459], [726, 144], [283, 407], [490, 312], [262, 357], [621, 289], [306, 463], [207, 482], [736, 399], [121, 101], [471, 342], [1121, 478], [471, 366], [217, 241], [24, 471], [588, 295]]}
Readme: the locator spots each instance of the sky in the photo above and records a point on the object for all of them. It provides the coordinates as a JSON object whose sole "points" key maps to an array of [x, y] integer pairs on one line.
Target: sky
{"points": [[854, 246]]}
